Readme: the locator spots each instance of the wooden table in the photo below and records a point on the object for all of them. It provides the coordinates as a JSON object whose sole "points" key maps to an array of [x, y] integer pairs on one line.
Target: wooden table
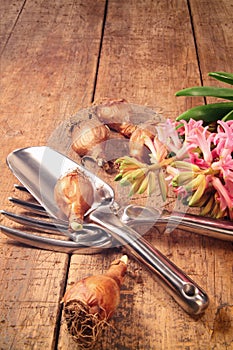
{"points": [[58, 57]]}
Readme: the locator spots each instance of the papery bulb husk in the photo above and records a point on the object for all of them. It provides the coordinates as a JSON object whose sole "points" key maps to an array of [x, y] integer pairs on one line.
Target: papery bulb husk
{"points": [[116, 115], [137, 148], [74, 195], [115, 147], [90, 303], [96, 155], [107, 101], [87, 134], [125, 129], [105, 154]]}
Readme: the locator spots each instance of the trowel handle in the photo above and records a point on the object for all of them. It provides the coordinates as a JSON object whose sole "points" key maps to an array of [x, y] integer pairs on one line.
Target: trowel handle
{"points": [[185, 291], [134, 215]]}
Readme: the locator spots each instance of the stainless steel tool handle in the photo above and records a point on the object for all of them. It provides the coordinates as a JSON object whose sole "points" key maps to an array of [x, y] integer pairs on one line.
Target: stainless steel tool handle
{"points": [[202, 225], [215, 228], [187, 294]]}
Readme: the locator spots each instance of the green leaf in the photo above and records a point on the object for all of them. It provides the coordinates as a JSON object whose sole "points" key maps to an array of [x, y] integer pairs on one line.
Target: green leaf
{"points": [[229, 116], [222, 76], [208, 113], [207, 91]]}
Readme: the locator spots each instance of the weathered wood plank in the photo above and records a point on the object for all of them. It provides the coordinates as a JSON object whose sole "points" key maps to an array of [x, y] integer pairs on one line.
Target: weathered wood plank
{"points": [[31, 283], [9, 13], [148, 54], [214, 38], [47, 73]]}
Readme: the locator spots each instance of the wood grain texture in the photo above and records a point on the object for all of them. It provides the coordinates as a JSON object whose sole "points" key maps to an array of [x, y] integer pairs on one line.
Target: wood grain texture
{"points": [[9, 13], [214, 38], [148, 54], [147, 50], [213, 32], [48, 72]]}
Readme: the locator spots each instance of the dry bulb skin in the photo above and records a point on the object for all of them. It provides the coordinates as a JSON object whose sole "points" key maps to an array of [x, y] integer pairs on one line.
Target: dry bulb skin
{"points": [[91, 302], [87, 134], [116, 115], [125, 129], [74, 195], [137, 148], [111, 119]]}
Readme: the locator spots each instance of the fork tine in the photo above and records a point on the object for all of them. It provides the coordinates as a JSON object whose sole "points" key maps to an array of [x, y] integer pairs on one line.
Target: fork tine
{"points": [[91, 239], [57, 245], [36, 223], [35, 207], [21, 188], [89, 233]]}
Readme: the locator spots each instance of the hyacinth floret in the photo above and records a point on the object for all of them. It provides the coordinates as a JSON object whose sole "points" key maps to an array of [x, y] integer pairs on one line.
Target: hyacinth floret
{"points": [[196, 163]]}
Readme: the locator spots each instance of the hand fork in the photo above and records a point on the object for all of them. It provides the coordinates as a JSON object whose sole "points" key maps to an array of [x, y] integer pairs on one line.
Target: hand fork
{"points": [[39, 168], [91, 239]]}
